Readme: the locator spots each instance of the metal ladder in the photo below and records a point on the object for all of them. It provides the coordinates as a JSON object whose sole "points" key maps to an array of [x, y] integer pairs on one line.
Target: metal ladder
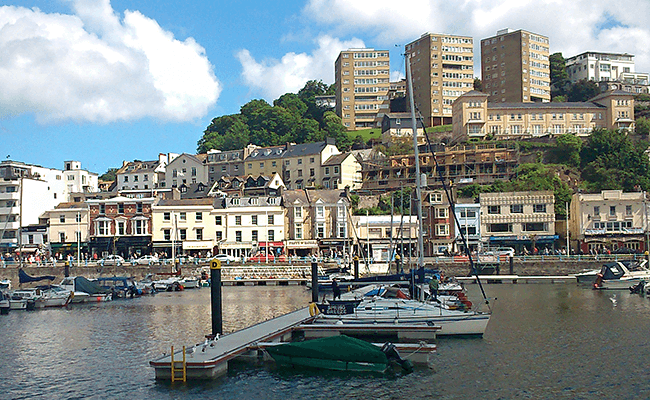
{"points": [[182, 369]]}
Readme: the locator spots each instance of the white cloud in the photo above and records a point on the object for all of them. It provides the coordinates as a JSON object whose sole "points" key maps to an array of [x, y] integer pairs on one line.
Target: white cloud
{"points": [[274, 78], [93, 67], [573, 26]]}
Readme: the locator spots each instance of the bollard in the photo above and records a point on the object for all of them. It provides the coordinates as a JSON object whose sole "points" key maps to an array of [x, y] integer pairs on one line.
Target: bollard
{"points": [[314, 280], [512, 267], [215, 296], [66, 269], [356, 267]]}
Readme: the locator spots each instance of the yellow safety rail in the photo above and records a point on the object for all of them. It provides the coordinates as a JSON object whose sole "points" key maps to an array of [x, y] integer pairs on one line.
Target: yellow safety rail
{"points": [[182, 369]]}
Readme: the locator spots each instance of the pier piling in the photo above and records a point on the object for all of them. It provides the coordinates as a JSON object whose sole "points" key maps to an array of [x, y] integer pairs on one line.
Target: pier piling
{"points": [[314, 281], [215, 296]]}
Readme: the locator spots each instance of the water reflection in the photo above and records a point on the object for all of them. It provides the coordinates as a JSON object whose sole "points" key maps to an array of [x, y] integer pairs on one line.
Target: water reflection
{"points": [[544, 341]]}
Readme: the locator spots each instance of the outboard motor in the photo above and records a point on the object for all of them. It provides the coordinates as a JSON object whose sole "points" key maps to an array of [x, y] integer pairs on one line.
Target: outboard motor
{"points": [[638, 288], [393, 356]]}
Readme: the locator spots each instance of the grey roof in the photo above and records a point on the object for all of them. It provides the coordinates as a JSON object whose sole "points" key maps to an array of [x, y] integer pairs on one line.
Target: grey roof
{"points": [[311, 196], [138, 166], [264, 153], [305, 149], [193, 190], [337, 159], [612, 93]]}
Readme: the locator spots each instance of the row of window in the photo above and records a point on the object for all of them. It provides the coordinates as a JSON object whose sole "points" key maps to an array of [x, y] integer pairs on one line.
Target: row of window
{"points": [[612, 211], [120, 208], [525, 227], [516, 209], [145, 178]]}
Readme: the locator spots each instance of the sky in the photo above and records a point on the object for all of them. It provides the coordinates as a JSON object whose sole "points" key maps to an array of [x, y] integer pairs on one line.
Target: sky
{"points": [[106, 81]]}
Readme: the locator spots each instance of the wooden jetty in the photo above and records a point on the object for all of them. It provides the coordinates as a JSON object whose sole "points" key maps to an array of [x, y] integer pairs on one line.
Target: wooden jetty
{"points": [[210, 358]]}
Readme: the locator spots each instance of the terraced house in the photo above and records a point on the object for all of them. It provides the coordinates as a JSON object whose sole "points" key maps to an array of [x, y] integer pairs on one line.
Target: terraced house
{"points": [[476, 118]]}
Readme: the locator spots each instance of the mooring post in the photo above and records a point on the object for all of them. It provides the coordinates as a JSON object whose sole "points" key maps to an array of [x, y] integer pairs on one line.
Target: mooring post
{"points": [[512, 267], [66, 269], [356, 267], [215, 295], [314, 280]]}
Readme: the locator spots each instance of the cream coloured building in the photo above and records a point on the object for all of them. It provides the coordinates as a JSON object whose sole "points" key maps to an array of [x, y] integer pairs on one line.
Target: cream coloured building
{"points": [[383, 235], [442, 68], [518, 219], [515, 67], [340, 171], [317, 221], [362, 79], [68, 226], [609, 220], [249, 224], [188, 225], [302, 163], [475, 117]]}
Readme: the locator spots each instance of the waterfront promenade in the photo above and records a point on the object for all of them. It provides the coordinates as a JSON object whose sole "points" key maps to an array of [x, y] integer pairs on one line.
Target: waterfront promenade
{"points": [[541, 265]]}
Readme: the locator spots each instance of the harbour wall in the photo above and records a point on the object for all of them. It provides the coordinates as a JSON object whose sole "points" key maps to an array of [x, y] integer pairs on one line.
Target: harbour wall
{"points": [[519, 267]]}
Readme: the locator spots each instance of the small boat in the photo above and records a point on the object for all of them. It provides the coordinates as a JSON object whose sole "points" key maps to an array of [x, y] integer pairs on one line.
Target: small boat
{"points": [[619, 276], [4, 303], [84, 290], [381, 305], [337, 353], [5, 284]]}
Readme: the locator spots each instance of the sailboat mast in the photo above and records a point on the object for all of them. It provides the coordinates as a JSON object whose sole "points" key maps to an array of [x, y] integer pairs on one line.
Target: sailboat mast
{"points": [[418, 178]]}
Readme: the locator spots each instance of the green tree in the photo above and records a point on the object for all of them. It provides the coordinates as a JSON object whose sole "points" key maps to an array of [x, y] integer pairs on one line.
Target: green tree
{"points": [[478, 84], [333, 127], [109, 175], [611, 160], [642, 126], [567, 150], [293, 103], [559, 76], [228, 132], [583, 90]]}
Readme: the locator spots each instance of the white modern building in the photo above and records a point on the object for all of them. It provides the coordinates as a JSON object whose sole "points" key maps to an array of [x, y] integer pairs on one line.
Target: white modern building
{"points": [[27, 191], [468, 216]]}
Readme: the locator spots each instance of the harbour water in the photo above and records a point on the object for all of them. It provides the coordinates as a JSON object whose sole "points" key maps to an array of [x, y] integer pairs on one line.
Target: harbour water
{"points": [[545, 341]]}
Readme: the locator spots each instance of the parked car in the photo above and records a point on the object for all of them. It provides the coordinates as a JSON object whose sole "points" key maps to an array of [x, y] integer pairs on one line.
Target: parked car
{"points": [[147, 260], [112, 259], [225, 258]]}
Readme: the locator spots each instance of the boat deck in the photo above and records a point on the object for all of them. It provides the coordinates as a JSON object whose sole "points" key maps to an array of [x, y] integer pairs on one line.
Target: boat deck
{"points": [[518, 279]]}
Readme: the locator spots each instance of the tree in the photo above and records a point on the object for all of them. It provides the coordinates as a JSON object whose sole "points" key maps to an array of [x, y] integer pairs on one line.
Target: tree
{"points": [[333, 127], [559, 76], [109, 175], [611, 160], [583, 90], [567, 150], [478, 84], [228, 132], [642, 126], [292, 103]]}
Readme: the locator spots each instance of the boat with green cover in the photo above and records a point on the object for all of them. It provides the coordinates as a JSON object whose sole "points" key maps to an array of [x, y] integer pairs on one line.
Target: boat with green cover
{"points": [[338, 353]]}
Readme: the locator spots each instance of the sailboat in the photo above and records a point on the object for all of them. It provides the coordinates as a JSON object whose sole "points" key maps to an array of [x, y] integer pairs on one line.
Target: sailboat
{"points": [[377, 309]]}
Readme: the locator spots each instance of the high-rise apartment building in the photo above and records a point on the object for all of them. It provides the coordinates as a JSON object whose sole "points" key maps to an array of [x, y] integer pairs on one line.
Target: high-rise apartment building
{"points": [[515, 67], [362, 85], [442, 68]]}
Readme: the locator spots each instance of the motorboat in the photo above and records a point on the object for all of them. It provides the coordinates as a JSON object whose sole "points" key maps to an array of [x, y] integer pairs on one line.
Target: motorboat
{"points": [[5, 284], [449, 312], [39, 297], [84, 290], [190, 282], [621, 276], [4, 303], [337, 353]]}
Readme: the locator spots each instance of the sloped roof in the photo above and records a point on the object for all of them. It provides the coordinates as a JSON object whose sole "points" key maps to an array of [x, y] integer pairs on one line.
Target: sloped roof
{"points": [[337, 159]]}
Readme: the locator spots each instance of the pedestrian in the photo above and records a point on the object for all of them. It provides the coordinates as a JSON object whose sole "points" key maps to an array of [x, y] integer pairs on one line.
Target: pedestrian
{"points": [[336, 290], [433, 287]]}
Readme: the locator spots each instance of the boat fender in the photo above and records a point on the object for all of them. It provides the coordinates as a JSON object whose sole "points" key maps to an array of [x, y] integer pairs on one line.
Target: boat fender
{"points": [[313, 309]]}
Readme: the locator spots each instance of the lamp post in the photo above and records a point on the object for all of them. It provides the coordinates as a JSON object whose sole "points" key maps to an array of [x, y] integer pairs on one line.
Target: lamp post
{"points": [[78, 238]]}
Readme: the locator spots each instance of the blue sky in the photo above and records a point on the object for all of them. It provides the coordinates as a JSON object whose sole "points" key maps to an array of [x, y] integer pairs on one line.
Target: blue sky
{"points": [[104, 81]]}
